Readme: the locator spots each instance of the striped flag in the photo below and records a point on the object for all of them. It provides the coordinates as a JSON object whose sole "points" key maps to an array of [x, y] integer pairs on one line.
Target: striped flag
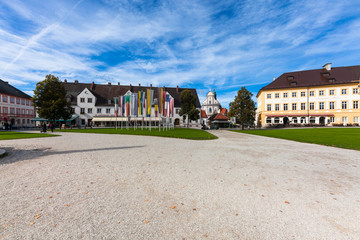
{"points": [[127, 104], [116, 102], [156, 106], [139, 103], [160, 100]]}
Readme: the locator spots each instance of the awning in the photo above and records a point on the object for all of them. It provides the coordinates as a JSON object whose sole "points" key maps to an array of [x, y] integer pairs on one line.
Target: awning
{"points": [[124, 119], [38, 119]]}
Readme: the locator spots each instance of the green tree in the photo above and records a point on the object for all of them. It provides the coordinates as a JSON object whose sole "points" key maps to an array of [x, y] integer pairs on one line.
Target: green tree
{"points": [[50, 101], [188, 103], [243, 108]]}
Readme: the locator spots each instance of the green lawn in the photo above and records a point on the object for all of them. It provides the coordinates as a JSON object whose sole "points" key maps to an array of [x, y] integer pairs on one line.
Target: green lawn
{"points": [[336, 137], [193, 134], [8, 135]]}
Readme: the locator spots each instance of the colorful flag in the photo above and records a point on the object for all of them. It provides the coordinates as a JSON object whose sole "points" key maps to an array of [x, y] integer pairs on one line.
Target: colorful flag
{"points": [[156, 106], [160, 101], [116, 102], [140, 103], [127, 104]]}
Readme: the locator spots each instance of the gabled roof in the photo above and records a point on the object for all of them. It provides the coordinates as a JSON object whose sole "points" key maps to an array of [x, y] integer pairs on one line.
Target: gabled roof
{"points": [[203, 114], [6, 88], [103, 92], [317, 77], [224, 111], [221, 117]]}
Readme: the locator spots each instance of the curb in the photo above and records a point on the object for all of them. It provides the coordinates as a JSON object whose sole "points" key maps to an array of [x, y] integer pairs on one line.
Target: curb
{"points": [[2, 153]]}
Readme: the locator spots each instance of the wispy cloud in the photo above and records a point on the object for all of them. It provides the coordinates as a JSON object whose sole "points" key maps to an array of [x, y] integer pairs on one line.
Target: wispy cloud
{"points": [[222, 45]]}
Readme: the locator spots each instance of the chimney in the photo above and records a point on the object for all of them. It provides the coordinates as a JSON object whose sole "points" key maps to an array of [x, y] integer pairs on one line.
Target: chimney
{"points": [[92, 86], [76, 81], [7, 82], [327, 66], [273, 78], [65, 81], [109, 83], [118, 83], [164, 88], [177, 88], [150, 85], [139, 84]]}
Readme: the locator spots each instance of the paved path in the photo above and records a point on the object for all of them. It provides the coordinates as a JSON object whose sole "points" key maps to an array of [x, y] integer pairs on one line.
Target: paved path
{"points": [[93, 186]]}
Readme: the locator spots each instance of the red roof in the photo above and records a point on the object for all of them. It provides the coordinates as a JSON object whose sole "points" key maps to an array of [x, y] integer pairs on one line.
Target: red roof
{"points": [[203, 114], [221, 117], [223, 111]]}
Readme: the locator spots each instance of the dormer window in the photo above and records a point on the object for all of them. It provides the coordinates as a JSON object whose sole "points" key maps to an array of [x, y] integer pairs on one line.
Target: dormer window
{"points": [[332, 80], [290, 78], [293, 83], [326, 74]]}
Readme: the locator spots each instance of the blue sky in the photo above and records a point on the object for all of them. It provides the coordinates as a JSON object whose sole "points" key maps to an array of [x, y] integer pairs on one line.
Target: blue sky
{"points": [[200, 44]]}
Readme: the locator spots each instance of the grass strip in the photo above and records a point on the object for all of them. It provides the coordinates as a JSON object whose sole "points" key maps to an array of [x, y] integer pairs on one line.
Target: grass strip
{"points": [[336, 137], [10, 135], [184, 133]]}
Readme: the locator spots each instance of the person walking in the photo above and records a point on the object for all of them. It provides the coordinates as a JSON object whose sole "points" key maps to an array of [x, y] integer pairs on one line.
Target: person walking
{"points": [[52, 127], [44, 128]]}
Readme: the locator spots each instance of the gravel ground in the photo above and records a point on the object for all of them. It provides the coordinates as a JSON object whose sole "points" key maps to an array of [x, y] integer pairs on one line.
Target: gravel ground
{"points": [[94, 186]]}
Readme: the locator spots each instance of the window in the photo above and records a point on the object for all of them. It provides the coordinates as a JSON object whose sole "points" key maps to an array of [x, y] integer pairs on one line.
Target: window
{"points": [[12, 100], [356, 119], [108, 110], [303, 94], [276, 120], [27, 102], [302, 106], [285, 106], [302, 120], [355, 90], [17, 100], [285, 95], [321, 93], [268, 95], [355, 104], [269, 107], [332, 92], [293, 94], [12, 111], [83, 121], [312, 93], [5, 110], [109, 101], [268, 120], [321, 105], [276, 95], [82, 99], [343, 105], [22, 102], [209, 110], [4, 99], [294, 120], [23, 111], [18, 111], [332, 119], [332, 105], [89, 100], [343, 91], [82, 110], [89, 110], [98, 110], [28, 121], [312, 106], [277, 107], [344, 119], [312, 119], [293, 106]]}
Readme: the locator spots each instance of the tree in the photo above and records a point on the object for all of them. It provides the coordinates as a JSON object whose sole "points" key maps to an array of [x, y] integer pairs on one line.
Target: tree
{"points": [[50, 99], [243, 108], [188, 109]]}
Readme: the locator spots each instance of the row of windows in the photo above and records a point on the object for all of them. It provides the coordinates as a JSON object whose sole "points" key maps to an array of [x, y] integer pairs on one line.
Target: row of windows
{"points": [[312, 120], [18, 111], [344, 91], [294, 106], [89, 100], [98, 110], [19, 101]]}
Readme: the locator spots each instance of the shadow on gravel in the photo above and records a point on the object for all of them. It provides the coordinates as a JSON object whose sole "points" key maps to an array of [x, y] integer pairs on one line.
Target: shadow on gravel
{"points": [[15, 155]]}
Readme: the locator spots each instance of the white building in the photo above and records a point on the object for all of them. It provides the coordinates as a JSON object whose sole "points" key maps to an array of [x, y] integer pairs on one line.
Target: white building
{"points": [[211, 105], [93, 104], [16, 108]]}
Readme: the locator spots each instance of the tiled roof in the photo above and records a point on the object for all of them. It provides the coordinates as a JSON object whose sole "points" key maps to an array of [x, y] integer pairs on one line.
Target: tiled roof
{"points": [[203, 114], [6, 88], [103, 92], [317, 77], [224, 111], [221, 116]]}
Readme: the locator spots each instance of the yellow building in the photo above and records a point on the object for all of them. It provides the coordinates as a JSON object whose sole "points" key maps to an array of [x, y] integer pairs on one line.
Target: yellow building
{"points": [[327, 96]]}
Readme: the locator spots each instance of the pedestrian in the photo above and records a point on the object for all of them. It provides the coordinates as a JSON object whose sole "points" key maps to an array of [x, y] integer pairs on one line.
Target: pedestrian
{"points": [[52, 127], [44, 128]]}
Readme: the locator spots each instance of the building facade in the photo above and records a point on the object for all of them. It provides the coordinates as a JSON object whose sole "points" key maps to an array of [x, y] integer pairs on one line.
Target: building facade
{"points": [[327, 96], [211, 105], [93, 104], [16, 108]]}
